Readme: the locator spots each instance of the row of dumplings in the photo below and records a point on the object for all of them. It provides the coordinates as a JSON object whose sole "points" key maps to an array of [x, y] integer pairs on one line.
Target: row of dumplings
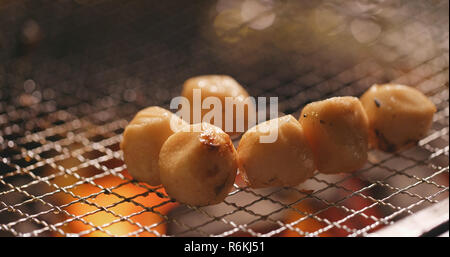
{"points": [[198, 165]]}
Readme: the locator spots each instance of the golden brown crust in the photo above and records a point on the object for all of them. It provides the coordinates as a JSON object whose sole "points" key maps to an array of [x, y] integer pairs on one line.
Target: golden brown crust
{"points": [[198, 167], [142, 141], [286, 162], [220, 86], [399, 116], [337, 131]]}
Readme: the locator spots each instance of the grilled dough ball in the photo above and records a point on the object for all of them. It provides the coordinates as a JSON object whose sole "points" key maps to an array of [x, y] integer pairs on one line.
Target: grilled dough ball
{"points": [[337, 131], [287, 161], [198, 167], [220, 86], [142, 141], [399, 116]]}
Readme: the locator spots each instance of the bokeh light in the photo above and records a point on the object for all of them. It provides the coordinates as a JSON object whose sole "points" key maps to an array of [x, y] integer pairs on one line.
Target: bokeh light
{"points": [[258, 13]]}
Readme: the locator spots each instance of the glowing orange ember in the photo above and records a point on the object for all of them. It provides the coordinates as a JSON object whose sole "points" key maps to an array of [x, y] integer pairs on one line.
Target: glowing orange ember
{"points": [[335, 219], [140, 206]]}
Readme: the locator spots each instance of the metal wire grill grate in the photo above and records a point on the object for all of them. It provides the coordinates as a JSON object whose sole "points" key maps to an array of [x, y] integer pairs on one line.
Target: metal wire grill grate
{"points": [[70, 83]]}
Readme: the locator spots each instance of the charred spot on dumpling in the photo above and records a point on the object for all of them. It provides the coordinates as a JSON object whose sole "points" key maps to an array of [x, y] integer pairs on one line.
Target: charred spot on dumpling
{"points": [[208, 138], [384, 144], [221, 186], [377, 103]]}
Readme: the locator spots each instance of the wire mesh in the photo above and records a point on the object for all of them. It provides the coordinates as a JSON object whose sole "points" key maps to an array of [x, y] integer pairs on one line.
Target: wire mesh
{"points": [[71, 82]]}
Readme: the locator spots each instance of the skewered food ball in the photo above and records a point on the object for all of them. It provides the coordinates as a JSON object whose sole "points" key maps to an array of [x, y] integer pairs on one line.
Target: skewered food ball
{"points": [[399, 116], [142, 141], [198, 166], [337, 131], [287, 161], [220, 86]]}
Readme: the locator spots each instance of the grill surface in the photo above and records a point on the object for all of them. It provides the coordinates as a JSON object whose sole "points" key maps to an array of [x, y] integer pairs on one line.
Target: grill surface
{"points": [[73, 73]]}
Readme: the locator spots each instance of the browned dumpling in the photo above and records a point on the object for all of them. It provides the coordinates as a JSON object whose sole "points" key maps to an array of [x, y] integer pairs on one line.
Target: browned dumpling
{"points": [[287, 161], [399, 116], [337, 131], [198, 166], [142, 141], [220, 86]]}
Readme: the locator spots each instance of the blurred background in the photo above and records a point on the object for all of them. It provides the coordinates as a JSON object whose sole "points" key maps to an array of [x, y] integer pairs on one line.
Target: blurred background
{"points": [[74, 72]]}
